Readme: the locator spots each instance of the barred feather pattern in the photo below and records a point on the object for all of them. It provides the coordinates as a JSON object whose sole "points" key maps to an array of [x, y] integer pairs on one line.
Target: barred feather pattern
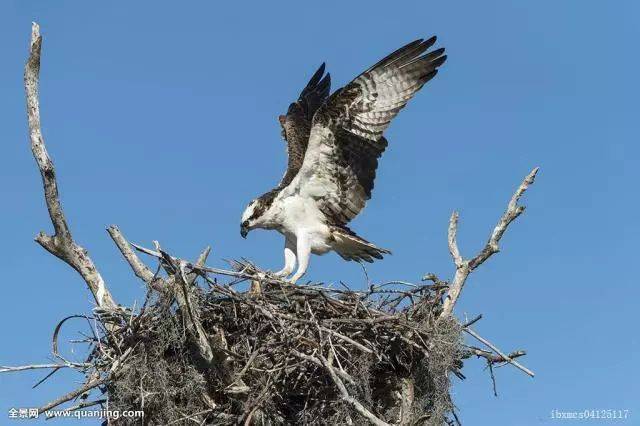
{"points": [[367, 105], [296, 124], [346, 138], [352, 247]]}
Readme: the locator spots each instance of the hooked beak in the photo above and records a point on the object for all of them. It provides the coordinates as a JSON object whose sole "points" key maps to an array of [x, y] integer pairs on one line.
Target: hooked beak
{"points": [[244, 231]]}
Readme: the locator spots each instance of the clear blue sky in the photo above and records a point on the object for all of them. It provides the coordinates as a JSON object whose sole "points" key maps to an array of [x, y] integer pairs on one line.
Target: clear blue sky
{"points": [[161, 117]]}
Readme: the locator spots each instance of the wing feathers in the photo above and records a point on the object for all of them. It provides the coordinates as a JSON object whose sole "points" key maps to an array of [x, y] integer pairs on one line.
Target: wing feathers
{"points": [[367, 105], [296, 125], [315, 93], [350, 246], [346, 138], [410, 50]]}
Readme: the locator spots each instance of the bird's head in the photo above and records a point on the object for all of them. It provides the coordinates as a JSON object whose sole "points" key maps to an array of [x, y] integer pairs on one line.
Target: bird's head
{"points": [[258, 213], [250, 218]]}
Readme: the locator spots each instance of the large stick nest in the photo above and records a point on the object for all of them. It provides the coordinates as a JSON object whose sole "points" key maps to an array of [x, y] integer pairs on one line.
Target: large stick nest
{"points": [[284, 354]]}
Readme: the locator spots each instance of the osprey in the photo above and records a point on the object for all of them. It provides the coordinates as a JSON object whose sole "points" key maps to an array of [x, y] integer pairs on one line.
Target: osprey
{"points": [[333, 144]]}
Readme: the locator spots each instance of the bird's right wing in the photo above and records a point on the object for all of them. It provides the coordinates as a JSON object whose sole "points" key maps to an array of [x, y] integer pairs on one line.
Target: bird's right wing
{"points": [[296, 124], [346, 137]]}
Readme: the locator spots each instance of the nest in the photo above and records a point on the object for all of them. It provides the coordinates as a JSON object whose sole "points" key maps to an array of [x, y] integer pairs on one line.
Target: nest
{"points": [[284, 354]]}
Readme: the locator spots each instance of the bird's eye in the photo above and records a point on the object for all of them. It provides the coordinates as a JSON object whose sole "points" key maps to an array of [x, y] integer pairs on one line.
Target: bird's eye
{"points": [[245, 223]]}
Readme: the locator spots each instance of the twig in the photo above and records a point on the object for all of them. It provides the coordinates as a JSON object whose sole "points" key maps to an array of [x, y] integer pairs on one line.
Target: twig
{"points": [[506, 357], [492, 357], [5, 369], [465, 267], [61, 244], [493, 378], [361, 409], [218, 271], [141, 270], [343, 374], [73, 394], [89, 385], [41, 381], [473, 321]]}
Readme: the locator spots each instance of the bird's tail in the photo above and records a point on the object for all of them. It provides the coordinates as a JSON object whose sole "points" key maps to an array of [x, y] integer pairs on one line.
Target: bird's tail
{"points": [[352, 247]]}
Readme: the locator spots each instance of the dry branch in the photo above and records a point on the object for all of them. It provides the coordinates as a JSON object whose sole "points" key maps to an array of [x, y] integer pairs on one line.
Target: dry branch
{"points": [[139, 269], [4, 369], [73, 394], [502, 355], [465, 267], [61, 244], [348, 398]]}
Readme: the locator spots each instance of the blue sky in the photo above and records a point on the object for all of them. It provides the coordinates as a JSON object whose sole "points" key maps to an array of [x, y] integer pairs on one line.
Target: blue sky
{"points": [[161, 117]]}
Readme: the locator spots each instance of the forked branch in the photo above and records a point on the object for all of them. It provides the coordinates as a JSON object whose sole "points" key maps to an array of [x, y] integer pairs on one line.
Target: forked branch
{"points": [[61, 244], [465, 266]]}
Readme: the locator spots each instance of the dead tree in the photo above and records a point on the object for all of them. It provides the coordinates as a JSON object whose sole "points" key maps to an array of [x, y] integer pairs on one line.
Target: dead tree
{"points": [[201, 350]]}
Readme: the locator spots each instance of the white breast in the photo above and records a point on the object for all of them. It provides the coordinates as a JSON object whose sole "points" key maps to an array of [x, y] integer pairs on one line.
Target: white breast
{"points": [[297, 215]]}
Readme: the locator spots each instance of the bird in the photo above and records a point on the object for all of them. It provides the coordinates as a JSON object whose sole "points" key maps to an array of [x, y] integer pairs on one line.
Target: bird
{"points": [[334, 142]]}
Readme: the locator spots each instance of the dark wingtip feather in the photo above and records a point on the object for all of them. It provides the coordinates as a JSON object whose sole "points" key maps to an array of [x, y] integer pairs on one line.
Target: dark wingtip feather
{"points": [[428, 77], [407, 53], [435, 53], [398, 54], [316, 76], [324, 84], [431, 41], [436, 63]]}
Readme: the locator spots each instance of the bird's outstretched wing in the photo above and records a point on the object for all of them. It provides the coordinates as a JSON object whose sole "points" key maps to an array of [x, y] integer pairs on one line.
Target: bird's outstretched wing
{"points": [[296, 124], [346, 135]]}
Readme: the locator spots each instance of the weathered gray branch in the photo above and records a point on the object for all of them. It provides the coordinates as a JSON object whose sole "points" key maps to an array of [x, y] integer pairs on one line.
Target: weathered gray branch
{"points": [[73, 394], [92, 382], [6, 369], [494, 358], [139, 269], [61, 244], [465, 267], [504, 356]]}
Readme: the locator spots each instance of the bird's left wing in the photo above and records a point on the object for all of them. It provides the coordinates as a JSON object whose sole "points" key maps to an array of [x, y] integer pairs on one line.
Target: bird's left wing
{"points": [[296, 124], [346, 139]]}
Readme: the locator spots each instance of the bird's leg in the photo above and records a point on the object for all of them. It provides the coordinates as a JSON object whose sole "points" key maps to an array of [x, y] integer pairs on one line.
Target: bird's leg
{"points": [[289, 259], [303, 250]]}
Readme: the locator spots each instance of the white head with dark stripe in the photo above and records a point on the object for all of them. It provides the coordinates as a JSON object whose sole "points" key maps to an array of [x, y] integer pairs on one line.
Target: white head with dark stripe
{"points": [[254, 215]]}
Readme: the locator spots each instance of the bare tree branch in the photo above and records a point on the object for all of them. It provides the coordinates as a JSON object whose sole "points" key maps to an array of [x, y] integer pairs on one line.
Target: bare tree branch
{"points": [[139, 268], [513, 211], [504, 356], [90, 384], [61, 244], [492, 357], [6, 369], [452, 238], [465, 267], [73, 394]]}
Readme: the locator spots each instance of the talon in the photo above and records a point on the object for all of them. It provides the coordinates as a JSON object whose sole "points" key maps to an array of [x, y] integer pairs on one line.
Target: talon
{"points": [[281, 274], [292, 280]]}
